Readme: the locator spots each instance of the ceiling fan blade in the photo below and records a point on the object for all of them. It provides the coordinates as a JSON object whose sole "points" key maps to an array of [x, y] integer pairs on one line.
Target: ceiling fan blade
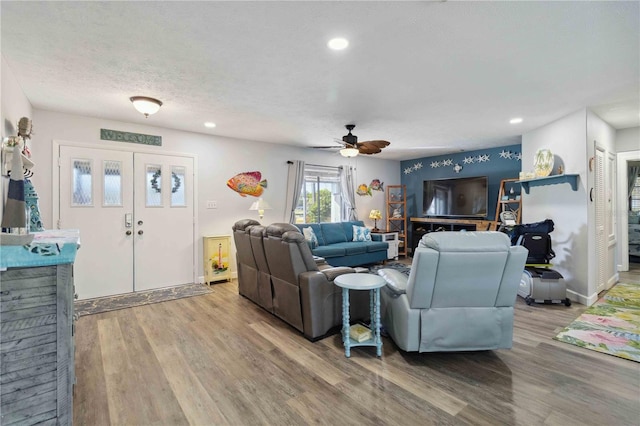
{"points": [[327, 147], [379, 143], [368, 149]]}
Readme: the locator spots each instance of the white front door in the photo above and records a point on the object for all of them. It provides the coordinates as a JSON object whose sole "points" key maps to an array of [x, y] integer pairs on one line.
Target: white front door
{"points": [[163, 221], [135, 215]]}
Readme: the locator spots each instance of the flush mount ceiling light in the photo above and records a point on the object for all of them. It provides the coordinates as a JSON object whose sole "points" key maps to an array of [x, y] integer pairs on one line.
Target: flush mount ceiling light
{"points": [[349, 152], [145, 105], [210, 124], [338, 43], [516, 120]]}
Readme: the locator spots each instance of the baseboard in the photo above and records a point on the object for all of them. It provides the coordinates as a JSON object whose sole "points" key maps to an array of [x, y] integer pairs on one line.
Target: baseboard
{"points": [[582, 299]]}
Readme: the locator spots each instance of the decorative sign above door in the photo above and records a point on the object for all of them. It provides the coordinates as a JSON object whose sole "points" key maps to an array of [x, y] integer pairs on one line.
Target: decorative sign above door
{"points": [[116, 135]]}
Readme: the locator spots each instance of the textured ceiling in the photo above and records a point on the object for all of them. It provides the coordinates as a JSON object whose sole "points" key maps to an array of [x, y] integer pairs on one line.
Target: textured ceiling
{"points": [[423, 75]]}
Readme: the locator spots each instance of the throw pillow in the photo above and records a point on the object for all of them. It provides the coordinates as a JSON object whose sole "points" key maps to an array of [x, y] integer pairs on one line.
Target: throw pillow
{"points": [[310, 236], [361, 233]]}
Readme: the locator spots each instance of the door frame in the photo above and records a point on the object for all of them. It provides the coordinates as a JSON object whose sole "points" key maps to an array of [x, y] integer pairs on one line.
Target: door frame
{"points": [[55, 183], [622, 251]]}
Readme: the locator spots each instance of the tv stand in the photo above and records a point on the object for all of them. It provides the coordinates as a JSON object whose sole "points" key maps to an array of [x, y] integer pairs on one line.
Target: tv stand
{"points": [[423, 225]]}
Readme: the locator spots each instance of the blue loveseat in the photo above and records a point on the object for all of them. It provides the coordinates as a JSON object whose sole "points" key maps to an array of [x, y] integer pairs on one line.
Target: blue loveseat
{"points": [[336, 245]]}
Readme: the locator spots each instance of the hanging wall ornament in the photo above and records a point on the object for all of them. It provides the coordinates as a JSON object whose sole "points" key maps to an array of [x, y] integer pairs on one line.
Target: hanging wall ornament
{"points": [[457, 168], [363, 189]]}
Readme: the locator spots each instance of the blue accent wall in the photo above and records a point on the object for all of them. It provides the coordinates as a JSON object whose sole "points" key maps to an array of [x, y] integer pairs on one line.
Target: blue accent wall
{"points": [[496, 168]]}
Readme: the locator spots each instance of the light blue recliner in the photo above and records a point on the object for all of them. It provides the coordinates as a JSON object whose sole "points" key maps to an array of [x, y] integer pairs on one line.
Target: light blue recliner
{"points": [[459, 295]]}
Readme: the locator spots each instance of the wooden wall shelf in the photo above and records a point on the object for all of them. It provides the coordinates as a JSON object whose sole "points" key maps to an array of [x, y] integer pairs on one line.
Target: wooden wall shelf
{"points": [[550, 180]]}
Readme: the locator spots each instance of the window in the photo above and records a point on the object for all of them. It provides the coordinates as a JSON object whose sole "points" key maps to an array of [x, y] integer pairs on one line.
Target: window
{"points": [[320, 199], [634, 202]]}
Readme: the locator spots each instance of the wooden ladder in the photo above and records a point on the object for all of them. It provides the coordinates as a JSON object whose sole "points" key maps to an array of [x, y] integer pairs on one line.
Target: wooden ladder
{"points": [[508, 201]]}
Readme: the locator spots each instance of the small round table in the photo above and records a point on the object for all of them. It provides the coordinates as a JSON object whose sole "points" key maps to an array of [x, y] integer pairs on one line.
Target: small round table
{"points": [[370, 282]]}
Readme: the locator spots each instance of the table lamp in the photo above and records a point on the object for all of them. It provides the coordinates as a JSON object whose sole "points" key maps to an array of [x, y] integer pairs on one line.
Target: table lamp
{"points": [[260, 206], [375, 215]]}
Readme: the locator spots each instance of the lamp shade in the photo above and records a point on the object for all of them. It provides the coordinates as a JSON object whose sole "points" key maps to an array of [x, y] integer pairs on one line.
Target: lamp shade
{"points": [[260, 205], [146, 105], [375, 214], [348, 152]]}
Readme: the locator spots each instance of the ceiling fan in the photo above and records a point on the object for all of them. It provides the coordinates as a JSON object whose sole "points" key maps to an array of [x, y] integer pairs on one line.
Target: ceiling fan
{"points": [[352, 147]]}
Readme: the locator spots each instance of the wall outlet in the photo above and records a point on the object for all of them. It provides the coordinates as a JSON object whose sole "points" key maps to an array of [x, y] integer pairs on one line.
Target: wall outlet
{"points": [[212, 204]]}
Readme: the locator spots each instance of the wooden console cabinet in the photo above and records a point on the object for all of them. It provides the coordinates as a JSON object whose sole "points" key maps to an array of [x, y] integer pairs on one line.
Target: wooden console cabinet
{"points": [[423, 225], [36, 343]]}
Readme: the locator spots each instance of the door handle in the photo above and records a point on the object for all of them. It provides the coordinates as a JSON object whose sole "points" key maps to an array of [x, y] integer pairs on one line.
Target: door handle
{"points": [[140, 232], [128, 220], [140, 222], [128, 232]]}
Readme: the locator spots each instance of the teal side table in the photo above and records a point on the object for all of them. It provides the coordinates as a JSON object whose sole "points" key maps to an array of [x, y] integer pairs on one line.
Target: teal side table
{"points": [[370, 282]]}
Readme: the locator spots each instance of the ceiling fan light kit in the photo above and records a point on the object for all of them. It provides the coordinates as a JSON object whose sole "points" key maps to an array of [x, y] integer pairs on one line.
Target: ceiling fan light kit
{"points": [[146, 105], [349, 152]]}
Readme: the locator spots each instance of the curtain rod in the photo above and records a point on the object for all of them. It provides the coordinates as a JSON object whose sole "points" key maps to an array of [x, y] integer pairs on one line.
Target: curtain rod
{"points": [[318, 165]]}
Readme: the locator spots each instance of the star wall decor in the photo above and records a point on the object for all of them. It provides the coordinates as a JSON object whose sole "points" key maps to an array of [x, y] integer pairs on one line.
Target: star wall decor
{"points": [[483, 158], [469, 160], [508, 155], [457, 168], [408, 170], [435, 164], [417, 166], [448, 162]]}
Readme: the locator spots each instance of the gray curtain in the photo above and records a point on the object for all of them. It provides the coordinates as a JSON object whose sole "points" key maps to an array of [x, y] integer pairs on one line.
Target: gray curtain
{"points": [[347, 190], [632, 175], [295, 180]]}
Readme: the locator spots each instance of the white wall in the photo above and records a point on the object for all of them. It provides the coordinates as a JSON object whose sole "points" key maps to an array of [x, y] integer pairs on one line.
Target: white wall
{"points": [[14, 105], [568, 209], [628, 139], [218, 159], [573, 139]]}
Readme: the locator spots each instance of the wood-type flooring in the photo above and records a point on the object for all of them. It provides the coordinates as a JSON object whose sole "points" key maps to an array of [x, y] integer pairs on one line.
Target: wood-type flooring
{"points": [[218, 359]]}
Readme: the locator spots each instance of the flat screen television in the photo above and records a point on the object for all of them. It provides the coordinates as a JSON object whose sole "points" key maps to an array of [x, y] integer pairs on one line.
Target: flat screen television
{"points": [[461, 197]]}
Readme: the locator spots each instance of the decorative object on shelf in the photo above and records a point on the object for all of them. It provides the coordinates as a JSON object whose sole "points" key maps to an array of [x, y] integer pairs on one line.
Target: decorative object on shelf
{"points": [[146, 105], [176, 181], [33, 208], [560, 170], [248, 183], [14, 215], [363, 189], [360, 333], [118, 136], [543, 162], [396, 216], [375, 215], [260, 205], [376, 185]]}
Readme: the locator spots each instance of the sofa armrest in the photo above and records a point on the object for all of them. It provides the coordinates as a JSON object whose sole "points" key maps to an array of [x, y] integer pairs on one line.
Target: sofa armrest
{"points": [[332, 273], [396, 281]]}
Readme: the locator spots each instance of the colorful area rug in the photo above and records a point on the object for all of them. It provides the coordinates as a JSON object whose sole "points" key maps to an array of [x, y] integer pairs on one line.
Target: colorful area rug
{"points": [[129, 300], [611, 325]]}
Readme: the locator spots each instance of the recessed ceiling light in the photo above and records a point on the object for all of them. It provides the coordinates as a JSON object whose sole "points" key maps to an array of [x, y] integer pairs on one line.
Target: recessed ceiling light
{"points": [[516, 120], [209, 124], [338, 43]]}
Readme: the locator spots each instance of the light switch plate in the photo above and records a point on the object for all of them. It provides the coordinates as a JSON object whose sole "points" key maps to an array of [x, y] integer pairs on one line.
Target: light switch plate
{"points": [[212, 204]]}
